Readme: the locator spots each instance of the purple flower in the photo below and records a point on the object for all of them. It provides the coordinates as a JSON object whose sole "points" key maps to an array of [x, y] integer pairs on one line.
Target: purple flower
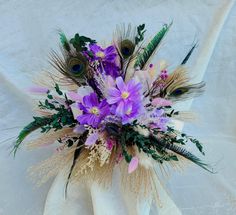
{"points": [[131, 111], [159, 120], [92, 139], [107, 58], [164, 74], [105, 55], [93, 111], [124, 96], [111, 69]]}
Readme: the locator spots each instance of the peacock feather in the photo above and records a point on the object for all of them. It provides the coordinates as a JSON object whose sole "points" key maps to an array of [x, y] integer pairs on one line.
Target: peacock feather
{"points": [[149, 50], [188, 54], [36, 124], [178, 86]]}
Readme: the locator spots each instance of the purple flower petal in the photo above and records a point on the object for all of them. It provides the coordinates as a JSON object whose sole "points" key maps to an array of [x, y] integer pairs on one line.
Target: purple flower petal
{"points": [[110, 81], [110, 50], [79, 129], [133, 164], [92, 120], [94, 99], [82, 107], [92, 139], [111, 69], [95, 48], [82, 119], [120, 84], [130, 84], [74, 96], [113, 96], [120, 109], [87, 101], [110, 57], [91, 100]]}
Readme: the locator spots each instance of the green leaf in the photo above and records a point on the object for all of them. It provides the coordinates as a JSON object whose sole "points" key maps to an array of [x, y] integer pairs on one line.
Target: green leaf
{"points": [[198, 145], [58, 89], [64, 41], [50, 96], [80, 42], [174, 157], [149, 50], [140, 31]]}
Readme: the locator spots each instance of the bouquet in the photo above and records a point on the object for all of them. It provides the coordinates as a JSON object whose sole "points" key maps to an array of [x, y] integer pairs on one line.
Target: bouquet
{"points": [[110, 106]]}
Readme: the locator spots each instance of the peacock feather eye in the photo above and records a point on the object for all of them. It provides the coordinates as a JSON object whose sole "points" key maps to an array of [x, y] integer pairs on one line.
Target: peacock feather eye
{"points": [[127, 48], [179, 91], [77, 65]]}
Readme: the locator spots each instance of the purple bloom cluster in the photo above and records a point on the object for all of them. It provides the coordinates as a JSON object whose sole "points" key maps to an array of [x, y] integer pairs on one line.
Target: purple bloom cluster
{"points": [[120, 100], [107, 59], [123, 101], [164, 74], [159, 120]]}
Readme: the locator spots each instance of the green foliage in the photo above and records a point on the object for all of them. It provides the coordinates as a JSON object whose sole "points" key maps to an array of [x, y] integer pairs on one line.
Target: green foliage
{"points": [[183, 139], [61, 118], [186, 154], [80, 42], [64, 41], [198, 145], [161, 149], [59, 92], [145, 144], [37, 123], [140, 34], [149, 50]]}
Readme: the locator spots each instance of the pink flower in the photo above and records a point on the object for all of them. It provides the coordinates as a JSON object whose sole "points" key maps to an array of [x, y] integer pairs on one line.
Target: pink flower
{"points": [[133, 165], [164, 74], [38, 89], [160, 102], [75, 96], [110, 144]]}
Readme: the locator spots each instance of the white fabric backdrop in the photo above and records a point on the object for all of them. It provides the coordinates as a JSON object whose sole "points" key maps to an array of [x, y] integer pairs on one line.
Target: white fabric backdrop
{"points": [[28, 32]]}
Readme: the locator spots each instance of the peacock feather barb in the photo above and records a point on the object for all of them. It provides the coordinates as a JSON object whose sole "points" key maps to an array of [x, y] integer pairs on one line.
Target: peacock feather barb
{"points": [[122, 110]]}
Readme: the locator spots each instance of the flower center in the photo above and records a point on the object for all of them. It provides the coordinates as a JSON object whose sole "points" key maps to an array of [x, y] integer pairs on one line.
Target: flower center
{"points": [[125, 95], [100, 54], [94, 110]]}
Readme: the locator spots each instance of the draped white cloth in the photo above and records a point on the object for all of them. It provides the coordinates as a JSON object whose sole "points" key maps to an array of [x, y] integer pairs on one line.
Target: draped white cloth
{"points": [[28, 32]]}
